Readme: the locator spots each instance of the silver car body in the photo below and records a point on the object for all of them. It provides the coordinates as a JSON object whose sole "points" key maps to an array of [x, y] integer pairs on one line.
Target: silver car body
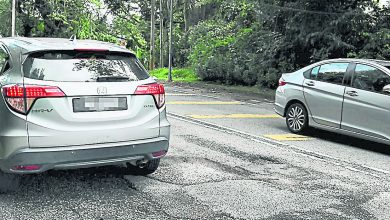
{"points": [[53, 136], [345, 107]]}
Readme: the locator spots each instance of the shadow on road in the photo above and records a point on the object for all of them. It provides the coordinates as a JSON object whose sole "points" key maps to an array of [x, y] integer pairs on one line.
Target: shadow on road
{"points": [[350, 141], [342, 139]]}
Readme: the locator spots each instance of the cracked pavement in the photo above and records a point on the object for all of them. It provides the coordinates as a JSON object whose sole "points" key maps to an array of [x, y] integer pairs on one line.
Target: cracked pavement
{"points": [[214, 173]]}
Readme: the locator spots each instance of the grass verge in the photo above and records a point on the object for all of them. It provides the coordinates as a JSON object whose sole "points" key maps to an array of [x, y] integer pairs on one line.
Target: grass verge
{"points": [[178, 75], [187, 77]]}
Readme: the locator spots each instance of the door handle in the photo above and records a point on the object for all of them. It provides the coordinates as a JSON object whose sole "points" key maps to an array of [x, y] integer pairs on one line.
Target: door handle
{"points": [[310, 83], [352, 93]]}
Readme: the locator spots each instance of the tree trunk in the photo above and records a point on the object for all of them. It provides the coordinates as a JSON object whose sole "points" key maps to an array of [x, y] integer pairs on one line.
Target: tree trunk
{"points": [[170, 40], [152, 31], [161, 35], [185, 14]]}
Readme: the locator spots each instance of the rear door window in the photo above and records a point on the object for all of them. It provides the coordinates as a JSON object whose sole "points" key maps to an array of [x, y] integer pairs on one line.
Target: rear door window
{"points": [[371, 79], [330, 73], [74, 66]]}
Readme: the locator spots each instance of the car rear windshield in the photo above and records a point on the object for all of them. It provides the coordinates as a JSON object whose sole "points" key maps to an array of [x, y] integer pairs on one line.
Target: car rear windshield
{"points": [[85, 66]]}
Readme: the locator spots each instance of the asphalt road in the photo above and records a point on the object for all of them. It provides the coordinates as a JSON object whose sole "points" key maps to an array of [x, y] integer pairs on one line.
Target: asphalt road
{"points": [[230, 158]]}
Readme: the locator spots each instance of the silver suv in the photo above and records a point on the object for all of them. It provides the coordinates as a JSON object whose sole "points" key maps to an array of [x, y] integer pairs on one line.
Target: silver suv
{"points": [[347, 96], [77, 103]]}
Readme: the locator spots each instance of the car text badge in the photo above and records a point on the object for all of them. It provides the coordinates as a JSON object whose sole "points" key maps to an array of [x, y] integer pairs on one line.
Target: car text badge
{"points": [[102, 90]]}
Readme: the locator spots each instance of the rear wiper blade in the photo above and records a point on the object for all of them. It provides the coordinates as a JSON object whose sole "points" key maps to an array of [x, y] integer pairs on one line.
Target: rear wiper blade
{"points": [[112, 79]]}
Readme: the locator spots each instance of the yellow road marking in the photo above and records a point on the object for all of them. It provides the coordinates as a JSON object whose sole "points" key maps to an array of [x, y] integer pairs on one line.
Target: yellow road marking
{"points": [[234, 116], [202, 103], [287, 137]]}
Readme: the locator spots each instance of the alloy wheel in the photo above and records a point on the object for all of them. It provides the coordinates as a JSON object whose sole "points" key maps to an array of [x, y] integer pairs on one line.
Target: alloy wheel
{"points": [[296, 118]]}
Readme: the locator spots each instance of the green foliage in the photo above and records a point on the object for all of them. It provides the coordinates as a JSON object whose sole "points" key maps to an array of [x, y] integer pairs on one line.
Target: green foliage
{"points": [[252, 42], [234, 52], [130, 31], [86, 19], [244, 42], [180, 75], [377, 45], [207, 38], [5, 13]]}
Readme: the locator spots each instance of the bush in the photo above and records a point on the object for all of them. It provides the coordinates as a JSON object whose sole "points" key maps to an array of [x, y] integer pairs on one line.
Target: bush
{"points": [[233, 55]]}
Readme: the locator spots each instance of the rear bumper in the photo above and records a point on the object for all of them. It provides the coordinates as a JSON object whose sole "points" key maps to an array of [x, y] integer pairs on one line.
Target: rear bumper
{"points": [[74, 157], [280, 101], [279, 109]]}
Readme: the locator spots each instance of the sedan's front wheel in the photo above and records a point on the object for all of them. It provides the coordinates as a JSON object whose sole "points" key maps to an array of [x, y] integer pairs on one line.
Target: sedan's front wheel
{"points": [[296, 118]]}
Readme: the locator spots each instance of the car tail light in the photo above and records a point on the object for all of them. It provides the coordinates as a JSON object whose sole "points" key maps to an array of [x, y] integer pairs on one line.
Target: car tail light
{"points": [[21, 98], [159, 154], [27, 168], [282, 82], [155, 89]]}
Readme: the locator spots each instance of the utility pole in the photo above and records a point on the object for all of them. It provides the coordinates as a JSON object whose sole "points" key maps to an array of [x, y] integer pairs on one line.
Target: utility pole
{"points": [[170, 40], [152, 30], [161, 35], [13, 18]]}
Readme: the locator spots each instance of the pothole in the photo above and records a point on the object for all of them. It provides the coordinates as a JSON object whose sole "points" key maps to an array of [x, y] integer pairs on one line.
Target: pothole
{"points": [[191, 171], [230, 150]]}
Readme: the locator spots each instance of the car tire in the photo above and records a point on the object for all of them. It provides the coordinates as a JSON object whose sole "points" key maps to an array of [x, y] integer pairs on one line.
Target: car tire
{"points": [[9, 182], [297, 118], [150, 167]]}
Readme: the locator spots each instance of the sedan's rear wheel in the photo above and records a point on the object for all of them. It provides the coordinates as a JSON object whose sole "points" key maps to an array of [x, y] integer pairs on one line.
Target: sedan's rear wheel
{"points": [[296, 118]]}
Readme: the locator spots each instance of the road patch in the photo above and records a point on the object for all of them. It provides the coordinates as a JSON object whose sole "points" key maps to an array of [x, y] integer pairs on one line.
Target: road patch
{"points": [[287, 137], [202, 103], [238, 116]]}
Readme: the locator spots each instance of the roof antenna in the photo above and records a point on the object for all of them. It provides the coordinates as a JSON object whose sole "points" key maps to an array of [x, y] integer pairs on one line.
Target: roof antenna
{"points": [[73, 38]]}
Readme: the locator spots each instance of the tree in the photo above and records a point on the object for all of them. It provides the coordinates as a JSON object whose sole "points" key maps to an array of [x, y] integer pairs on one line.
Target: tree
{"points": [[152, 34], [233, 41], [5, 18], [161, 16]]}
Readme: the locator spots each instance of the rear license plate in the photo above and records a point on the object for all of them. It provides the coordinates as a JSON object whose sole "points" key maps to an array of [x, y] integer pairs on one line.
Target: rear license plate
{"points": [[99, 104]]}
